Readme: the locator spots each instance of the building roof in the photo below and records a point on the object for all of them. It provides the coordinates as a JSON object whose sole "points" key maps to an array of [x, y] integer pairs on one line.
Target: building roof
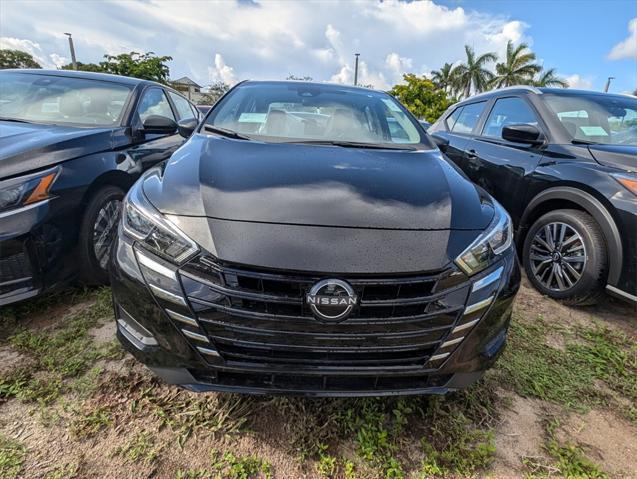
{"points": [[185, 81]]}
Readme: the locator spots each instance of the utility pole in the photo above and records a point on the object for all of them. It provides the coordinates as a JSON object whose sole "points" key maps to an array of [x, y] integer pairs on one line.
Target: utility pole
{"points": [[73, 60], [356, 69], [608, 84]]}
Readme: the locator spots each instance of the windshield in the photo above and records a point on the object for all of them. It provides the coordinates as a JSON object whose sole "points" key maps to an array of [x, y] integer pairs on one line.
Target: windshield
{"points": [[53, 99], [308, 113], [596, 118]]}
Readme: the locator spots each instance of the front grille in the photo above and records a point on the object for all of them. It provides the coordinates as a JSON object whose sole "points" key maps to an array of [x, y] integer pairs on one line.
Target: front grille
{"points": [[15, 268], [259, 318]]}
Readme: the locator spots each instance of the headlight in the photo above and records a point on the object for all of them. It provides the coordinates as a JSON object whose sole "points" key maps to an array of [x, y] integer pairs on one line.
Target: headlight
{"points": [[496, 239], [627, 181], [27, 190], [142, 222]]}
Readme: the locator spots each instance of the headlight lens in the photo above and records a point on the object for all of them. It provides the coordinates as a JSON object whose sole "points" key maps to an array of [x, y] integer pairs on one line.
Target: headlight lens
{"points": [[142, 222], [495, 240], [627, 181], [26, 190]]}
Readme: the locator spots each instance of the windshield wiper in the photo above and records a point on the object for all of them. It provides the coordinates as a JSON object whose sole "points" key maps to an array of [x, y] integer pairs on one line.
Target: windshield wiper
{"points": [[15, 120], [225, 132], [584, 142], [353, 144]]}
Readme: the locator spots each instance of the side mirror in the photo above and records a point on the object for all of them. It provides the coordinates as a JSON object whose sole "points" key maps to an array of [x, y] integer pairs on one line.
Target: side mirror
{"points": [[440, 141], [187, 126], [159, 125], [522, 133]]}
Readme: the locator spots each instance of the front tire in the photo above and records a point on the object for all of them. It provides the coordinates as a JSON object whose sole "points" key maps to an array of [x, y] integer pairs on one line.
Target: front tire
{"points": [[97, 232], [565, 256]]}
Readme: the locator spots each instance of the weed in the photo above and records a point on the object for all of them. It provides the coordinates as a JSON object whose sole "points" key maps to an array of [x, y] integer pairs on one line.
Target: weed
{"points": [[67, 471], [140, 448], [193, 474], [12, 456], [91, 423], [327, 465], [229, 466]]}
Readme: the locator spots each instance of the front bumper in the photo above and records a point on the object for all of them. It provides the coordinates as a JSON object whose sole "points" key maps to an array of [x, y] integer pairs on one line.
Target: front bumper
{"points": [[204, 328], [35, 247]]}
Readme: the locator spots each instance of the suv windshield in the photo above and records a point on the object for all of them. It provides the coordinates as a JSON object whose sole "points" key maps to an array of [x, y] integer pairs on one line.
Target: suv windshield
{"points": [[597, 118], [314, 113], [54, 99]]}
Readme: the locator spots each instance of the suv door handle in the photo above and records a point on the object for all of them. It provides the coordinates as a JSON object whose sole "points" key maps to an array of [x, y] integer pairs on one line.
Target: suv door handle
{"points": [[472, 155]]}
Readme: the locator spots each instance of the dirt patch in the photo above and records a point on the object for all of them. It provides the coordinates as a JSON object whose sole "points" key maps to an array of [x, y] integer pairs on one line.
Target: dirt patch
{"points": [[10, 360], [104, 333], [607, 439], [519, 435]]}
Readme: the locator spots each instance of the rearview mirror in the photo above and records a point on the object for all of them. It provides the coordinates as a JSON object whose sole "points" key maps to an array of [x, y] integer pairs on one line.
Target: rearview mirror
{"points": [[186, 127], [522, 133], [159, 125]]}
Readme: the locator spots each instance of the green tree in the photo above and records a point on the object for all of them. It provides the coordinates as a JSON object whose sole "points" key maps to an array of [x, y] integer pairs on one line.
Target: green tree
{"points": [[421, 97], [445, 78], [291, 76], [473, 75], [549, 78], [215, 91], [518, 67], [146, 66], [16, 59]]}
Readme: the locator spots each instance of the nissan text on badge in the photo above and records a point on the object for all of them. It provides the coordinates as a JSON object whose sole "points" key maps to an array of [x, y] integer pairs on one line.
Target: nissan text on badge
{"points": [[311, 239]]}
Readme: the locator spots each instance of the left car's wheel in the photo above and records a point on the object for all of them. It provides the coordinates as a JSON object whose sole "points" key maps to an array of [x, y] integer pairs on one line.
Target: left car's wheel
{"points": [[97, 232]]}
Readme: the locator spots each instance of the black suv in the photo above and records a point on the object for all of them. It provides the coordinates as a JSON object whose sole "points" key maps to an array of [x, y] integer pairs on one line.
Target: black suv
{"points": [[564, 164], [71, 144], [311, 239]]}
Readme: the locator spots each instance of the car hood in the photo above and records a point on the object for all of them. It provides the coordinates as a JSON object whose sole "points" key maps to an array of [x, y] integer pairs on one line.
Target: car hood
{"points": [[618, 156], [28, 146], [310, 185]]}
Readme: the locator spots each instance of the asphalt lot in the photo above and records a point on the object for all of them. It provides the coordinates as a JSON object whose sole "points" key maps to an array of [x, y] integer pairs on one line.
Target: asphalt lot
{"points": [[561, 402]]}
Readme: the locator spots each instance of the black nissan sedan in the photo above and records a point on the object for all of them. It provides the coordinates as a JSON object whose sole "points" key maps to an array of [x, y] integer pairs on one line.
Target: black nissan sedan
{"points": [[298, 244], [71, 144]]}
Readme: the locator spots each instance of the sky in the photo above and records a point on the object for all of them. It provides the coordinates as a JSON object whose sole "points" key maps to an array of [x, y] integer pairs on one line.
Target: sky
{"points": [[232, 40]]}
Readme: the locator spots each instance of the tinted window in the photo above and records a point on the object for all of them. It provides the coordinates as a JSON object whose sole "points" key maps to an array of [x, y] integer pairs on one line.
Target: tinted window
{"points": [[154, 102], [468, 118], [507, 111], [182, 105], [451, 120], [60, 100]]}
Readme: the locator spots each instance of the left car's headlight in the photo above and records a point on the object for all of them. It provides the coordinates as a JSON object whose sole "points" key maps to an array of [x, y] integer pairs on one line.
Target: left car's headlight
{"points": [[491, 243], [142, 222], [27, 190]]}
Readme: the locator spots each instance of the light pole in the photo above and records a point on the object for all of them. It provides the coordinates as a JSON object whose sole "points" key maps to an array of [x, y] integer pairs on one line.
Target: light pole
{"points": [[73, 60], [356, 68], [608, 84]]}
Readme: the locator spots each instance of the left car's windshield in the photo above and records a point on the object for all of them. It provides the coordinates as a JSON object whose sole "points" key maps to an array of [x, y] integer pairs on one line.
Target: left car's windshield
{"points": [[54, 99], [291, 112], [597, 118]]}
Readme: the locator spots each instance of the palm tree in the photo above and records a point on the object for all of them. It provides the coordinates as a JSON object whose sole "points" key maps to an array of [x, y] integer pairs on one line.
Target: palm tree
{"points": [[473, 75], [518, 67], [549, 78], [444, 78]]}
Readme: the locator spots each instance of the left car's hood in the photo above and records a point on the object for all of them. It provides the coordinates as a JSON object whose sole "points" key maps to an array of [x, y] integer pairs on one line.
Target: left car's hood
{"points": [[28, 146], [313, 185]]}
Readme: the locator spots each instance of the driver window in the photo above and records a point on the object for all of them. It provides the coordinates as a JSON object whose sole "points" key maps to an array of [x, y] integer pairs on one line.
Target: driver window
{"points": [[507, 111], [154, 102]]}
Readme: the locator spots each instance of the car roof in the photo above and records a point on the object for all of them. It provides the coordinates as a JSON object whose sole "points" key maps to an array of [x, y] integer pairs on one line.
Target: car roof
{"points": [[325, 85], [531, 90], [85, 75]]}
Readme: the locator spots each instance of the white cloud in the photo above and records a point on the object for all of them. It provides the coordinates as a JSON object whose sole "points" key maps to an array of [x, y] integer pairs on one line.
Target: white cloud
{"points": [[578, 82], [24, 45], [222, 72], [272, 40], [626, 49]]}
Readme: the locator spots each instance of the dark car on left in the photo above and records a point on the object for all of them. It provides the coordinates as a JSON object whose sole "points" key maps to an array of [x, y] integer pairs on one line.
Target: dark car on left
{"points": [[71, 144]]}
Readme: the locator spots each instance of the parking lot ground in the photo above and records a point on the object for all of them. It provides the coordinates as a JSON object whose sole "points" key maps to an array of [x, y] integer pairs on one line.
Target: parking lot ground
{"points": [[561, 402]]}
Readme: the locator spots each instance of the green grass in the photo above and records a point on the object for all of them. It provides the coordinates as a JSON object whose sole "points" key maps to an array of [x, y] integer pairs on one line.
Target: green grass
{"points": [[12, 456], [91, 423], [67, 471], [570, 377], [568, 460], [141, 448], [230, 466], [60, 353]]}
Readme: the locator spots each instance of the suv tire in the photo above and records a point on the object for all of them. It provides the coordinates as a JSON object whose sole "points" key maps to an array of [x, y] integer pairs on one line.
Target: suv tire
{"points": [[97, 231], [565, 257]]}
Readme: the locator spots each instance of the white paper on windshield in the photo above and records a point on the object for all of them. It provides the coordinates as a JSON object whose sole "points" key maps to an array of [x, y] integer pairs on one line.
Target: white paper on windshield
{"points": [[593, 131], [252, 117]]}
